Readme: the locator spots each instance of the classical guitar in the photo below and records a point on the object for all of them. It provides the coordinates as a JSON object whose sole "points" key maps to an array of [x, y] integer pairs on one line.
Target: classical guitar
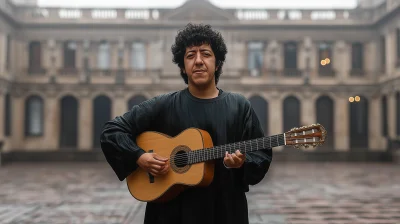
{"points": [[191, 155]]}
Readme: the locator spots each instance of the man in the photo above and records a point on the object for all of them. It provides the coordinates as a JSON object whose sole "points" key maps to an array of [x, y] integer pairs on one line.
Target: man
{"points": [[199, 53]]}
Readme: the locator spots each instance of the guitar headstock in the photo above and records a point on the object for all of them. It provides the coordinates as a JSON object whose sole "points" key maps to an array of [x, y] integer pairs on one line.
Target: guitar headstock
{"points": [[306, 136]]}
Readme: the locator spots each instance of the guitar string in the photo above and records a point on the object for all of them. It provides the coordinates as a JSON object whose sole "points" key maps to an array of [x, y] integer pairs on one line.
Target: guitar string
{"points": [[193, 156], [183, 161], [228, 147]]}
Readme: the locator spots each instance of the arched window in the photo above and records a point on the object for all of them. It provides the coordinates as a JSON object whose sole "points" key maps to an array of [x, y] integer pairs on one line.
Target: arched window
{"points": [[358, 111], [398, 112], [384, 117], [69, 122], [291, 113], [101, 115], [260, 107], [7, 115], [325, 117], [135, 100]]}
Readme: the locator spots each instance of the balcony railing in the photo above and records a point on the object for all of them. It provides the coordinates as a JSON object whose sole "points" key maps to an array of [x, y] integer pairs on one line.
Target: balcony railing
{"points": [[326, 72], [118, 15]]}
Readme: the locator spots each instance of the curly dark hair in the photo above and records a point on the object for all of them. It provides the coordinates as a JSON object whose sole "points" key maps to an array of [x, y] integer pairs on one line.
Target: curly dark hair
{"points": [[196, 35]]}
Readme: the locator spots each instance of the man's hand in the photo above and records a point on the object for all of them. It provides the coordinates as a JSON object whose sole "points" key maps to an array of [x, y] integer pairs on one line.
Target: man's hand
{"points": [[153, 163], [234, 160]]}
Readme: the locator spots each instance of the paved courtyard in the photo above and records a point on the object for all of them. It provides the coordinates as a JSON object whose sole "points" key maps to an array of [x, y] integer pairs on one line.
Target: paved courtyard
{"points": [[300, 193]]}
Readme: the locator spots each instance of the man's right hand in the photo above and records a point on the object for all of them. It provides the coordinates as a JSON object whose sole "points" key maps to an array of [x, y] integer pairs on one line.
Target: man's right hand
{"points": [[153, 163]]}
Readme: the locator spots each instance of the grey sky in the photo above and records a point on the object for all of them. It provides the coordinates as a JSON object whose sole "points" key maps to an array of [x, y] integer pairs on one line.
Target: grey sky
{"points": [[323, 4]]}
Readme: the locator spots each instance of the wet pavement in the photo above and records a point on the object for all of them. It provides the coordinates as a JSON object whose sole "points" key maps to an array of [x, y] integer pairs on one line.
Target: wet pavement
{"points": [[296, 193]]}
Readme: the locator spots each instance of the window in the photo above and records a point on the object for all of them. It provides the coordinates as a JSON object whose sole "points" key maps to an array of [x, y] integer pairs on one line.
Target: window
{"points": [[357, 56], [398, 113], [8, 53], [290, 55], [325, 55], [384, 116], [35, 54], [398, 43], [290, 59], [138, 56], [69, 54], [7, 113], [104, 55], [34, 116], [325, 58], [383, 52], [255, 58]]}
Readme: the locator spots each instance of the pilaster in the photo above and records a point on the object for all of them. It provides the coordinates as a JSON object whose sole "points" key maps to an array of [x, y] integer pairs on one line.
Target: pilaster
{"points": [[341, 125], [85, 130], [376, 141]]}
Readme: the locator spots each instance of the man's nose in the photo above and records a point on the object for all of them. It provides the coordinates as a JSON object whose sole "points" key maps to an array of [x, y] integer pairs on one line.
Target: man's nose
{"points": [[199, 60]]}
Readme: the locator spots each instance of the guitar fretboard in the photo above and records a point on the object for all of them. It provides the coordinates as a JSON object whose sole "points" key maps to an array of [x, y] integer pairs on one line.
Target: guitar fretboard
{"points": [[217, 152]]}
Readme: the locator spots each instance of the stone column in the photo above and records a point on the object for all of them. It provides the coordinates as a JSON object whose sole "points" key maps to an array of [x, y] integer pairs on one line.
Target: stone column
{"points": [[51, 121], [119, 104], [275, 117], [85, 130], [341, 124], [341, 60], [371, 65], [3, 47], [391, 97], [376, 141], [17, 124], [308, 113], [390, 52]]}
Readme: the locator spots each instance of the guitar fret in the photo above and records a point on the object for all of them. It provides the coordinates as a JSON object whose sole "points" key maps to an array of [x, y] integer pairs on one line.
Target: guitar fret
{"points": [[243, 146]]}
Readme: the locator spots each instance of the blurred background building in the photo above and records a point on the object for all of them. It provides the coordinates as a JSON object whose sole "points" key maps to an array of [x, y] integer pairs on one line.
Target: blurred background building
{"points": [[64, 72]]}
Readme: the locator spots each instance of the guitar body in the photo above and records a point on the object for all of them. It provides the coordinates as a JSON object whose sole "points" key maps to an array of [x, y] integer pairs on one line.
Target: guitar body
{"points": [[165, 187]]}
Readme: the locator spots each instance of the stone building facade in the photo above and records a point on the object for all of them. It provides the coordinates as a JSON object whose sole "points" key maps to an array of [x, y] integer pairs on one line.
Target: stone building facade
{"points": [[65, 71]]}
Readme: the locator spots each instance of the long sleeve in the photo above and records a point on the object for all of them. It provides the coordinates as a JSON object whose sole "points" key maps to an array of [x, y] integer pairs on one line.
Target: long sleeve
{"points": [[118, 139], [257, 163]]}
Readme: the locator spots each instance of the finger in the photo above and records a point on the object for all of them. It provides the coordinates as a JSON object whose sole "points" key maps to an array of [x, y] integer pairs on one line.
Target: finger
{"points": [[230, 159], [236, 159], [160, 158], [165, 170], [154, 172], [157, 162], [238, 153], [156, 167]]}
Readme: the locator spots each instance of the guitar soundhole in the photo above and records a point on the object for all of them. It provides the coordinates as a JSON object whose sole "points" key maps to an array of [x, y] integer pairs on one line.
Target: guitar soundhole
{"points": [[181, 159], [179, 163]]}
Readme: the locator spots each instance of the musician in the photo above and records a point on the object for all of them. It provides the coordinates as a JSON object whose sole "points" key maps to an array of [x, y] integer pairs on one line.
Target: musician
{"points": [[199, 52]]}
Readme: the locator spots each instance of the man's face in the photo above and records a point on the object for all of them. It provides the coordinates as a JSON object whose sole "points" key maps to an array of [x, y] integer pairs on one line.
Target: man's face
{"points": [[199, 64]]}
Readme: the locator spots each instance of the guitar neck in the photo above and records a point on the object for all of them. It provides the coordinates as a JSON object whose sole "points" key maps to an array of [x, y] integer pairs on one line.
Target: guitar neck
{"points": [[252, 145]]}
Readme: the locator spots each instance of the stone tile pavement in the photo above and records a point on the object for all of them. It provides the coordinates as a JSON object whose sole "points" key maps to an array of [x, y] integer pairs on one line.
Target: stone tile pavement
{"points": [[297, 193]]}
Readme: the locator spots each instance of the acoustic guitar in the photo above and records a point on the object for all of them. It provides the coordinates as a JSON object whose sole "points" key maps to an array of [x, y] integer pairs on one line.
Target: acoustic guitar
{"points": [[191, 155]]}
